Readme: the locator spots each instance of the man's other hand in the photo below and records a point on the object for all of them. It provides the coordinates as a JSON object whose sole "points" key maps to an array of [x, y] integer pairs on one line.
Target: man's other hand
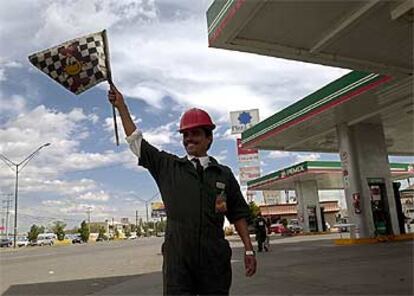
{"points": [[250, 265]]}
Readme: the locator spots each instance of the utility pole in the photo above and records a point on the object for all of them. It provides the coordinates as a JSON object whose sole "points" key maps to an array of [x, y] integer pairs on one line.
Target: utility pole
{"points": [[146, 209], [146, 202], [89, 218], [2, 225], [136, 221], [7, 205], [17, 168]]}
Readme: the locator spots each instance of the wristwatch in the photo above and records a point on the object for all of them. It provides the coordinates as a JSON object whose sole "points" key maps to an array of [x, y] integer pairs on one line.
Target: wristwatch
{"points": [[249, 253]]}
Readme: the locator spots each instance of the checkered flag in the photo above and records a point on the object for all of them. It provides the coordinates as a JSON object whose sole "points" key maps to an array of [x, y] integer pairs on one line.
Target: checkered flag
{"points": [[78, 64]]}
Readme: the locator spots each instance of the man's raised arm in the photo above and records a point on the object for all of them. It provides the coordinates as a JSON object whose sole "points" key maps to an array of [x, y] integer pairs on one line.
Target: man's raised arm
{"points": [[116, 99]]}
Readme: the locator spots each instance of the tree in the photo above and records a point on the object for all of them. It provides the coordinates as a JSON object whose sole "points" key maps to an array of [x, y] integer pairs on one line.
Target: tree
{"points": [[254, 210], [117, 234], [84, 231], [101, 233], [34, 232], [58, 228], [95, 227], [133, 228], [139, 231]]}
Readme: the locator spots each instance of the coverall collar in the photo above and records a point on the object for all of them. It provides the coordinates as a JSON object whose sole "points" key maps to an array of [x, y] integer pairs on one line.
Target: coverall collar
{"points": [[213, 163]]}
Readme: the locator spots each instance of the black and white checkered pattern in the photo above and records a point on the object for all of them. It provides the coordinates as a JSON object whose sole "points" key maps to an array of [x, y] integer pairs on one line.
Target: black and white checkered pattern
{"points": [[89, 52]]}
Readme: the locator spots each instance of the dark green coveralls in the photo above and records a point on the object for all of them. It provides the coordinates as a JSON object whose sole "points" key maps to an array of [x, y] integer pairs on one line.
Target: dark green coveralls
{"points": [[196, 254]]}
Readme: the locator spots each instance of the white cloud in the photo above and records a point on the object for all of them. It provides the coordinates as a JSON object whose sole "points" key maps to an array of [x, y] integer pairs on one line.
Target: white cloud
{"points": [[307, 157], [13, 105], [30, 182], [170, 57], [23, 134], [68, 19], [163, 135], [52, 202], [94, 196], [109, 122], [227, 135], [94, 118], [222, 156], [278, 154]]}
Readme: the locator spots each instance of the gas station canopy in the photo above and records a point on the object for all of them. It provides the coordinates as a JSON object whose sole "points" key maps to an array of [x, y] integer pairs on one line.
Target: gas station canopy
{"points": [[327, 174], [370, 36], [370, 109], [358, 97]]}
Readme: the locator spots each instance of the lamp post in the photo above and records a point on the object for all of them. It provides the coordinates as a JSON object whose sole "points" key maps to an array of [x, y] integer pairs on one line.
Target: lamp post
{"points": [[18, 167]]}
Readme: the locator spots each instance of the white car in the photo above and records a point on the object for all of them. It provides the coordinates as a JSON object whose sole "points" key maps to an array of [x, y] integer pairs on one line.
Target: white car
{"points": [[46, 239], [22, 242], [294, 226]]}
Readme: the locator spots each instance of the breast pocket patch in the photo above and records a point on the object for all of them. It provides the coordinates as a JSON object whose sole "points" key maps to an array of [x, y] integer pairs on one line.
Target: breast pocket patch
{"points": [[221, 198]]}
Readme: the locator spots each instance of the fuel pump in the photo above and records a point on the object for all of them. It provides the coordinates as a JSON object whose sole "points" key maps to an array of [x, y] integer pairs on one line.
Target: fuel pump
{"points": [[379, 207], [313, 222]]}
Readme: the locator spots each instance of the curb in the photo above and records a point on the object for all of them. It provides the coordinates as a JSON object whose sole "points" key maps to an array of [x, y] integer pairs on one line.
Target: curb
{"points": [[62, 242], [374, 240]]}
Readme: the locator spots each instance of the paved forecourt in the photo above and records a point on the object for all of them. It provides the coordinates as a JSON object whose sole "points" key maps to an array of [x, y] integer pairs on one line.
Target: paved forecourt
{"points": [[295, 265]]}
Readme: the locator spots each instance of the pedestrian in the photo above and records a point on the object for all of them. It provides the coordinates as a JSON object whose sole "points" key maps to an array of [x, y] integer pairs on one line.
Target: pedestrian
{"points": [[266, 245], [261, 232], [198, 193]]}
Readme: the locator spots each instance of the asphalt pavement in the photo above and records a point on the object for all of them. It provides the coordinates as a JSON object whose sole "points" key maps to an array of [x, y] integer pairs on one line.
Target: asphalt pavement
{"points": [[294, 266]]}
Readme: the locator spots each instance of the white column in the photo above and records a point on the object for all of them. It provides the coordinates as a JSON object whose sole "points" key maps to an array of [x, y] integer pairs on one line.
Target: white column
{"points": [[307, 196], [351, 178], [363, 155], [302, 213]]}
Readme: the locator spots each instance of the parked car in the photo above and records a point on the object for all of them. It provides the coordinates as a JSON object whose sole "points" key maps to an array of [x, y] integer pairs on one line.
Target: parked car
{"points": [[160, 234], [294, 226], [342, 227], [277, 228], [46, 239], [76, 239], [22, 242], [6, 242], [102, 239], [33, 243]]}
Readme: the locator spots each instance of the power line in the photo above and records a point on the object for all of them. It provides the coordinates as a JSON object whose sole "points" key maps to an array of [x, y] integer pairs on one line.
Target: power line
{"points": [[49, 218]]}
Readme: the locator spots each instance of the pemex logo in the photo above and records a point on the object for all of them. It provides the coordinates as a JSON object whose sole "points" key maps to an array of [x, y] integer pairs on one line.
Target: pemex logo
{"points": [[245, 118]]}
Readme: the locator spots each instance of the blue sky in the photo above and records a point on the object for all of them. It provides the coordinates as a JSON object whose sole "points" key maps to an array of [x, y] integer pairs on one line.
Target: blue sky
{"points": [[161, 62]]}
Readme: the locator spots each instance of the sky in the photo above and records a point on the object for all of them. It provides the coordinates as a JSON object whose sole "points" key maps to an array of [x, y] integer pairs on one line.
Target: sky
{"points": [[161, 62]]}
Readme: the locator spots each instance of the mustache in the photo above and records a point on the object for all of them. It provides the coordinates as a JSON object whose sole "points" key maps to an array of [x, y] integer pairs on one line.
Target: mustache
{"points": [[190, 142]]}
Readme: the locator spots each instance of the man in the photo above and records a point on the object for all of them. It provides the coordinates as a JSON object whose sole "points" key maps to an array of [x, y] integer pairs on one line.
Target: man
{"points": [[261, 235], [197, 193]]}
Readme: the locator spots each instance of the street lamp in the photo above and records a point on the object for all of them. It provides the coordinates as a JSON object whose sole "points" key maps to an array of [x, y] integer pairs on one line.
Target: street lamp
{"points": [[18, 167]]}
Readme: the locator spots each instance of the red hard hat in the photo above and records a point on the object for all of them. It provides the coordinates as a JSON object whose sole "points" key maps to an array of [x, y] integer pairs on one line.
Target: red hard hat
{"points": [[196, 118]]}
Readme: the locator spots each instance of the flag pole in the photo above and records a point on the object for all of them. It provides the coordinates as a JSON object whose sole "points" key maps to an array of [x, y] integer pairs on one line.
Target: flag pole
{"points": [[109, 78]]}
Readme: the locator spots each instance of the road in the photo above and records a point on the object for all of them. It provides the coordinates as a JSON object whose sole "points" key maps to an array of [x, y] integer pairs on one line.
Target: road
{"points": [[297, 265], [81, 261]]}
